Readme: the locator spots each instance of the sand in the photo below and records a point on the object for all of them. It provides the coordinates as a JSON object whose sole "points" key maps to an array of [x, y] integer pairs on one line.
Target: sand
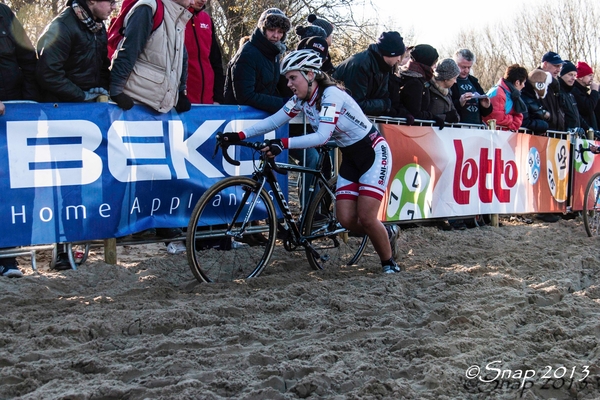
{"points": [[521, 298]]}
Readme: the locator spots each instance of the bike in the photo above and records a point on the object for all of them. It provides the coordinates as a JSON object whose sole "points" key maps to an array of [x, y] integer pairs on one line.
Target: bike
{"points": [[591, 203], [234, 227]]}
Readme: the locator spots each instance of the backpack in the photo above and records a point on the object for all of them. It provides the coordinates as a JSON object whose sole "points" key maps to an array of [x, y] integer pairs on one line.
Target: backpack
{"points": [[116, 28]]}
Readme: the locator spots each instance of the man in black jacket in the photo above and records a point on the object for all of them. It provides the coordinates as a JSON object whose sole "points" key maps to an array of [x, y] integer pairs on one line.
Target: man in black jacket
{"points": [[73, 62], [253, 77], [551, 62], [17, 82], [366, 75], [466, 89], [585, 91]]}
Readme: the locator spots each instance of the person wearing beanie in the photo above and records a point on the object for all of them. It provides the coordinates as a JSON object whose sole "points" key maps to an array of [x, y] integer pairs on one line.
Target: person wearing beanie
{"points": [[535, 117], [568, 75], [205, 78], [552, 63], [440, 101], [506, 99], [252, 76], [73, 55], [466, 91], [585, 91], [315, 33], [415, 79], [367, 74], [323, 24]]}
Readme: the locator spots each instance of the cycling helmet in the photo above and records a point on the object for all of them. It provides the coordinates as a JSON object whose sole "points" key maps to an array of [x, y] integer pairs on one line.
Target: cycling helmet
{"points": [[302, 60]]}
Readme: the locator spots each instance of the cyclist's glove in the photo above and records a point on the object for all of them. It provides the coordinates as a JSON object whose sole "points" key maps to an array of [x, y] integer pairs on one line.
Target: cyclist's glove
{"points": [[232, 137], [276, 147]]}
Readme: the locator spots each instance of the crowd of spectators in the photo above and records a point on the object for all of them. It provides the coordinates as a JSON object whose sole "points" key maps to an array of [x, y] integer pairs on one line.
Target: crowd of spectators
{"points": [[178, 62]]}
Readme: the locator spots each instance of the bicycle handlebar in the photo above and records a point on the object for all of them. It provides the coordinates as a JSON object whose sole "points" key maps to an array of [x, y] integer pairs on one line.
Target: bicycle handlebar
{"points": [[252, 145]]}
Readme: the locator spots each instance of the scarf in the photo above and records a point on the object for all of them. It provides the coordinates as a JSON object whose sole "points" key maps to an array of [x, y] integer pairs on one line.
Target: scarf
{"points": [[515, 95], [440, 89], [83, 16], [425, 70]]}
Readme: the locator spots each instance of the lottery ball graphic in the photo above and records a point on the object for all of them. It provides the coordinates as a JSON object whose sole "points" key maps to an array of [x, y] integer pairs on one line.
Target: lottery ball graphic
{"points": [[533, 165], [408, 196]]}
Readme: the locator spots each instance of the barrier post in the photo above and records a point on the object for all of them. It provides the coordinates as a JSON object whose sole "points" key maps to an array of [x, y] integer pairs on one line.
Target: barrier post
{"points": [[110, 251], [493, 217], [110, 245]]}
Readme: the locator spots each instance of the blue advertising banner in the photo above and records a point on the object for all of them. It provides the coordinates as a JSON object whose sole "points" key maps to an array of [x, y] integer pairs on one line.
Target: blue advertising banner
{"points": [[76, 172]]}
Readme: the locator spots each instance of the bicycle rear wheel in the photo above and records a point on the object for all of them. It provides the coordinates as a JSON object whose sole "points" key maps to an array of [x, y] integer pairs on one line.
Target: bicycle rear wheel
{"points": [[591, 206], [336, 246], [230, 236]]}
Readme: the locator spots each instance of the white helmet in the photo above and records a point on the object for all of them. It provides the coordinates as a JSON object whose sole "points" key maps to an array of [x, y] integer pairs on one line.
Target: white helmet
{"points": [[302, 60]]}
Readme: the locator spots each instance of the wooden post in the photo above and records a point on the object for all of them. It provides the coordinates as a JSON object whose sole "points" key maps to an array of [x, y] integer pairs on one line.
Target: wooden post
{"points": [[110, 251], [493, 217]]}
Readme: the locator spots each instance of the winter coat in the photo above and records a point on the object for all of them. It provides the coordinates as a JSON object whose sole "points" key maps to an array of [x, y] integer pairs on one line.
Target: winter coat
{"points": [[415, 95], [533, 118], [205, 82], [152, 69], [366, 77], [72, 59], [17, 60], [440, 103], [253, 76], [569, 105], [503, 112], [586, 104]]}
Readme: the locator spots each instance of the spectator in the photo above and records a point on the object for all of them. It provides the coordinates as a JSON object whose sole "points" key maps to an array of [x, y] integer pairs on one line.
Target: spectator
{"points": [[506, 98], [314, 31], [535, 118], [470, 109], [328, 28], [415, 78], [440, 101], [366, 74], [17, 69], [568, 75], [73, 62], [152, 68], [585, 91], [551, 62], [18, 61], [253, 77], [205, 79], [366, 162]]}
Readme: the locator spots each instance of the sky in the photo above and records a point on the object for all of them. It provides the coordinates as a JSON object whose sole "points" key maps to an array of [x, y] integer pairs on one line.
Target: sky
{"points": [[437, 23]]}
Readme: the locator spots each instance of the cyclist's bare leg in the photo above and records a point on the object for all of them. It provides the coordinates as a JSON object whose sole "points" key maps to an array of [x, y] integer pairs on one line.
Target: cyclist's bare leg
{"points": [[361, 217]]}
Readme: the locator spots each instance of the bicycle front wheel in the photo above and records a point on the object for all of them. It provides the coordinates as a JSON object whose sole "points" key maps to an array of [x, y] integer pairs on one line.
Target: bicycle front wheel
{"points": [[232, 231], [591, 206], [335, 245]]}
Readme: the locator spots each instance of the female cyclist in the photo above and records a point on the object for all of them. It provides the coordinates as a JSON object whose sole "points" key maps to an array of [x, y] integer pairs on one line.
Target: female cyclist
{"points": [[366, 158]]}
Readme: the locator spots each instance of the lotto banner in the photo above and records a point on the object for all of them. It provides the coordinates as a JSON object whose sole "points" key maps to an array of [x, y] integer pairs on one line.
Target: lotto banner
{"points": [[453, 172], [75, 172]]}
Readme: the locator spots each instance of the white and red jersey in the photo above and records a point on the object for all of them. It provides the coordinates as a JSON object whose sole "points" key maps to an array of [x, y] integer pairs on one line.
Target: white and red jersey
{"points": [[340, 119]]}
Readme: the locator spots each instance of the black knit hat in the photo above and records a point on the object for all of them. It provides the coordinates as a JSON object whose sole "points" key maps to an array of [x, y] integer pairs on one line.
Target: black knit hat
{"points": [[327, 26], [391, 44], [310, 31], [274, 18], [315, 43], [425, 54], [567, 67]]}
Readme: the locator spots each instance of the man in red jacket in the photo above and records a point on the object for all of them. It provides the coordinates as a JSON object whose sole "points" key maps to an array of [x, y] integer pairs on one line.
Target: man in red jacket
{"points": [[205, 66]]}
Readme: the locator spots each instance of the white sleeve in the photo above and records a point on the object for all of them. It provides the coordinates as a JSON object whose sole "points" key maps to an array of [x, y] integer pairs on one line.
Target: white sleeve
{"points": [[280, 118], [328, 117]]}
